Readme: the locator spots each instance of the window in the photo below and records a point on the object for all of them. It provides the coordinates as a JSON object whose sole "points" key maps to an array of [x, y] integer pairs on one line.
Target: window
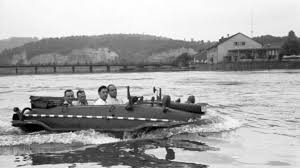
{"points": [[239, 43]]}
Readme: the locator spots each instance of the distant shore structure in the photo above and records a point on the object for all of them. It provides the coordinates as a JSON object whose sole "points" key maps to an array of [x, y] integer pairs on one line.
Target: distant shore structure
{"points": [[251, 32], [240, 48], [286, 63]]}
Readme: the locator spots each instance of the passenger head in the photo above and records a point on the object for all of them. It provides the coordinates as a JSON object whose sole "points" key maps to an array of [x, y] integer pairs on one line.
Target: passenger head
{"points": [[191, 99], [81, 96], [102, 91], [69, 96], [112, 90]]}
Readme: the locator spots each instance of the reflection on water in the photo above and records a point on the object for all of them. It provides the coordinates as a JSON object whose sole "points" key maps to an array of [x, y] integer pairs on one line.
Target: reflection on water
{"points": [[130, 153]]}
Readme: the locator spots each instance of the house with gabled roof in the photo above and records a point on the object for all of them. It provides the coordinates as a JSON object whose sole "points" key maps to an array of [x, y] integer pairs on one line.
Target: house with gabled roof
{"points": [[218, 52]]}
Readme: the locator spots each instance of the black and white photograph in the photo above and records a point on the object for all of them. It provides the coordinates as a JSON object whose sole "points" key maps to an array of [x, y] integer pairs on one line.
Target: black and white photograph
{"points": [[150, 83]]}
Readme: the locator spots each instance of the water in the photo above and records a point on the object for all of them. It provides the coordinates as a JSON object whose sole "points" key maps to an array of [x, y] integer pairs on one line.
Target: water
{"points": [[253, 121]]}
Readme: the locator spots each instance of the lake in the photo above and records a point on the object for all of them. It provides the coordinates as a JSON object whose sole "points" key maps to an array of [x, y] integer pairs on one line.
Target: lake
{"points": [[254, 122]]}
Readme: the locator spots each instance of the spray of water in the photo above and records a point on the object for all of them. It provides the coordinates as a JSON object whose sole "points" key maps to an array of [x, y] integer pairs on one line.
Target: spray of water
{"points": [[78, 137], [213, 122]]}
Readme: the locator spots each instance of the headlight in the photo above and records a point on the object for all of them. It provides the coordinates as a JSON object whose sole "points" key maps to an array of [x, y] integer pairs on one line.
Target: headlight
{"points": [[203, 108]]}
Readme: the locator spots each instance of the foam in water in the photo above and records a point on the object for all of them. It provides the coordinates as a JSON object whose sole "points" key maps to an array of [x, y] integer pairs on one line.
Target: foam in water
{"points": [[7, 129], [219, 123], [82, 137], [210, 123]]}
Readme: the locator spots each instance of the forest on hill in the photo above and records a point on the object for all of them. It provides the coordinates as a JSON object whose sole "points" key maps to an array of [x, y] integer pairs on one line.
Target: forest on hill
{"points": [[15, 42], [128, 47], [270, 40]]}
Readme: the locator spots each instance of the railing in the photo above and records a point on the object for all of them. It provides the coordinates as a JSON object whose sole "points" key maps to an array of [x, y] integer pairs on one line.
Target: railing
{"points": [[97, 64], [90, 68]]}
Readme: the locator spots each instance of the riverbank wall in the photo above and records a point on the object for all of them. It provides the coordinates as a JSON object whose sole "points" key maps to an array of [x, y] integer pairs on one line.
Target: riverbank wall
{"points": [[249, 66], [232, 66]]}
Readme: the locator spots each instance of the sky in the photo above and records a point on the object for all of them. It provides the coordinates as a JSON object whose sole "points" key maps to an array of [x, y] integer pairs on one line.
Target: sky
{"points": [[177, 19]]}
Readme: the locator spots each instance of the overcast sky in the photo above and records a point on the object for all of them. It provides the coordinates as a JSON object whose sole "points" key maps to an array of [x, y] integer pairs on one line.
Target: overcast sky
{"points": [[177, 19]]}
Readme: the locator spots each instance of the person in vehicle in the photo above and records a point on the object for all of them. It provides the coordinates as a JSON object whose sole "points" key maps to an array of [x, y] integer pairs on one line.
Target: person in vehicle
{"points": [[81, 99], [102, 92], [112, 95], [68, 97], [190, 100]]}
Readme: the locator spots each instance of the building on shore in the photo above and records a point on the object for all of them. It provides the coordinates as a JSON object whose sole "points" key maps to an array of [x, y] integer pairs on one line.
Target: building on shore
{"points": [[240, 48], [254, 54]]}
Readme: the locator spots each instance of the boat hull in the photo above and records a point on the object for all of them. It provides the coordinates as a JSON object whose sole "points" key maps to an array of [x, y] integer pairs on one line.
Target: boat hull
{"points": [[114, 118]]}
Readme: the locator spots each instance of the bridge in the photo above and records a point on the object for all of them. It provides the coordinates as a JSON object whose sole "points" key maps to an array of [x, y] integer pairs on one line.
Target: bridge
{"points": [[73, 67]]}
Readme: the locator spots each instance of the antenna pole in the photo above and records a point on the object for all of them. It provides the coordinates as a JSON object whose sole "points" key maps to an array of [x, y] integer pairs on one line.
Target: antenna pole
{"points": [[251, 23]]}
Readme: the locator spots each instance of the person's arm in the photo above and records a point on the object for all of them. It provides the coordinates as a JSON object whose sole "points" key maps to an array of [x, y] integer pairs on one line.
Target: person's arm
{"points": [[75, 103], [100, 102], [96, 102]]}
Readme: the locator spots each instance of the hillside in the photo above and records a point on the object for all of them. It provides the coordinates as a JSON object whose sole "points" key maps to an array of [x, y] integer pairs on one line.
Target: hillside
{"points": [[15, 42], [104, 48], [270, 40]]}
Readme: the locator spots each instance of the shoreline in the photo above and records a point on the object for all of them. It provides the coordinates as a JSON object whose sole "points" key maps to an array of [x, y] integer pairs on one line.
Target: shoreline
{"points": [[231, 66]]}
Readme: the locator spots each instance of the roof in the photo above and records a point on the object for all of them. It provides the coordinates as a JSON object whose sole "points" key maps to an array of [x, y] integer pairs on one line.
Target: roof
{"points": [[225, 39], [253, 49], [200, 55]]}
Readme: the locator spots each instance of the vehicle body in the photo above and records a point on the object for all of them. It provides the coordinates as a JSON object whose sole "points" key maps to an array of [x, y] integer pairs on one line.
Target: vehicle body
{"points": [[49, 113]]}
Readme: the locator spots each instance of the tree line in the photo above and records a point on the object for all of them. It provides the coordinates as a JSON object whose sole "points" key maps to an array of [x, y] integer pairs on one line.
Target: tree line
{"points": [[130, 48], [291, 46]]}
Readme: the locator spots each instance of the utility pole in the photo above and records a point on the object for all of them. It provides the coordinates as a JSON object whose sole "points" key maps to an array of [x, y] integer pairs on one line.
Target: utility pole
{"points": [[251, 23]]}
